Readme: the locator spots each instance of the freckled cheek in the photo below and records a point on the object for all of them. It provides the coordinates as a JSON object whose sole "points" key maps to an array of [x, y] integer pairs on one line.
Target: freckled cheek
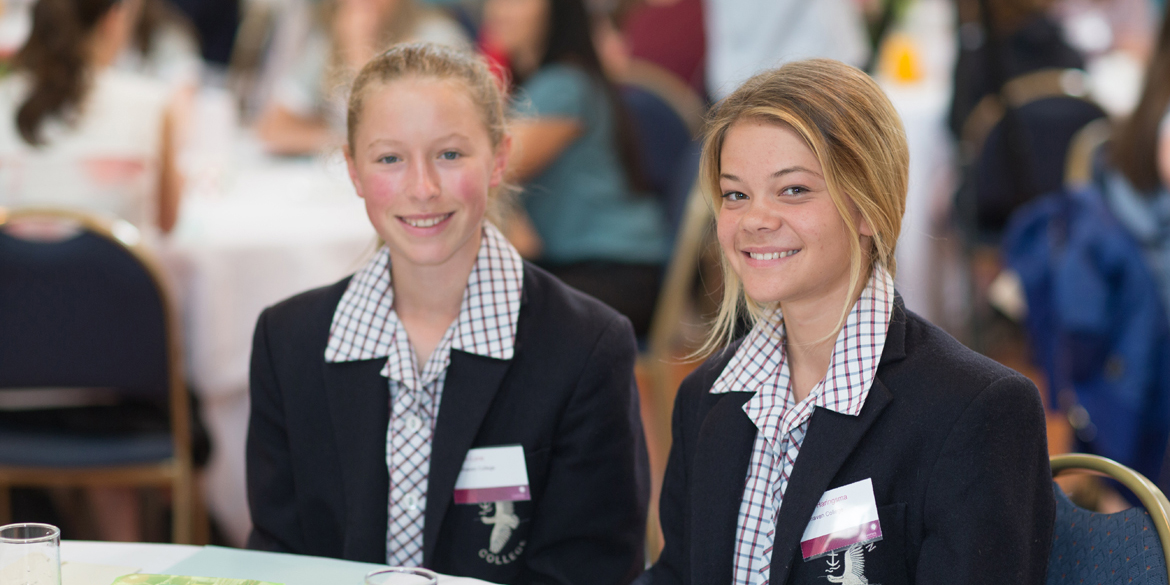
{"points": [[726, 226]]}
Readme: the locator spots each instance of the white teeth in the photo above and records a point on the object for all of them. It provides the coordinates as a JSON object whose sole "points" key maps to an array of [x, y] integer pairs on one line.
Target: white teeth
{"points": [[772, 255], [425, 223]]}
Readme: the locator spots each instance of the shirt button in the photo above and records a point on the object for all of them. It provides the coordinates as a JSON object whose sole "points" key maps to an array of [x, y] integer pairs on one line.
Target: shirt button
{"points": [[411, 502], [413, 423]]}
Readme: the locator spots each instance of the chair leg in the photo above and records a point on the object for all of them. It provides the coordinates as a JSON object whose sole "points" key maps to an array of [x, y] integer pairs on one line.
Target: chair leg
{"points": [[181, 515], [200, 520], [5, 504]]}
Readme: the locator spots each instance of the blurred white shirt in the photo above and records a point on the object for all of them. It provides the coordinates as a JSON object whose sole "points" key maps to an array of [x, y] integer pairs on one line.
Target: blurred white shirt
{"points": [[745, 37]]}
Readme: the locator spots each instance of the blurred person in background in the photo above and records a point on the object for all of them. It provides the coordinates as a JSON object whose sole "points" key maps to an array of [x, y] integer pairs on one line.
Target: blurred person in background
{"points": [[77, 132], [576, 157], [1027, 39], [307, 112], [745, 37], [1139, 154], [165, 46]]}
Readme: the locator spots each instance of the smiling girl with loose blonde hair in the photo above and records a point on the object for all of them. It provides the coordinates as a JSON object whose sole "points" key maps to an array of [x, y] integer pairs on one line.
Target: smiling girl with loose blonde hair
{"points": [[843, 438], [856, 135]]}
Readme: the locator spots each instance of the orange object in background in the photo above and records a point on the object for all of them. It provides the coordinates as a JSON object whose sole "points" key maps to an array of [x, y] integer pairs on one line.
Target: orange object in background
{"points": [[900, 59]]}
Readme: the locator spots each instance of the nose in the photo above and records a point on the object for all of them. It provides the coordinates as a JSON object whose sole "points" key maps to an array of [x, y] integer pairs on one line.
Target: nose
{"points": [[760, 217], [424, 183]]}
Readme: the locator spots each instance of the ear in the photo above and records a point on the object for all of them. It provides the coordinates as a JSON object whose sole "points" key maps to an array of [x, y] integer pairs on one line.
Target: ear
{"points": [[863, 226], [500, 162], [351, 167]]}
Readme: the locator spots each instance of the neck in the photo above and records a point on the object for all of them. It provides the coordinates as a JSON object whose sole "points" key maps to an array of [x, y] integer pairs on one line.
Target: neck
{"points": [[811, 326], [432, 294]]}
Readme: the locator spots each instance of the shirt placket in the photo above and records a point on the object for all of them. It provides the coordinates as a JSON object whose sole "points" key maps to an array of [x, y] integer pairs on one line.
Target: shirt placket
{"points": [[411, 430]]}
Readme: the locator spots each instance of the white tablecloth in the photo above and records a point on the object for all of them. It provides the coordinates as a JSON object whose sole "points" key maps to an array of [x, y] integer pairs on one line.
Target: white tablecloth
{"points": [[98, 563]]}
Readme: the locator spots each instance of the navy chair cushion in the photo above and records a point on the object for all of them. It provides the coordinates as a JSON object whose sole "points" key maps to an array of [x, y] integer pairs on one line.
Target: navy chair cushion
{"points": [[1088, 547], [56, 449]]}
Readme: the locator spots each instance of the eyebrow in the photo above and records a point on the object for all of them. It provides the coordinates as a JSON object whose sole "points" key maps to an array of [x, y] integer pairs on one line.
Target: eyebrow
{"points": [[392, 142], [777, 174]]}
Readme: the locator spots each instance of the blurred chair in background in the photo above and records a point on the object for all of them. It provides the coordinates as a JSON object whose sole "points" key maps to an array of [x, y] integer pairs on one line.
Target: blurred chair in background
{"points": [[89, 350], [1129, 547]]}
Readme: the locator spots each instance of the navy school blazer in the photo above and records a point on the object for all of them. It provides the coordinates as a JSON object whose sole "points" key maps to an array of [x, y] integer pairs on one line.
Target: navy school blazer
{"points": [[316, 453], [954, 443]]}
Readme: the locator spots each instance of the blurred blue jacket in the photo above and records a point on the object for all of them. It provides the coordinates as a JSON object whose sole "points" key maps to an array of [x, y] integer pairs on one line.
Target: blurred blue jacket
{"points": [[1096, 322]]}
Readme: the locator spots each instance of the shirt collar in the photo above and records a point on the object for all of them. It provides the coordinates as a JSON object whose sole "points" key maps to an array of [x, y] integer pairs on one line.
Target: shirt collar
{"points": [[760, 363], [364, 324]]}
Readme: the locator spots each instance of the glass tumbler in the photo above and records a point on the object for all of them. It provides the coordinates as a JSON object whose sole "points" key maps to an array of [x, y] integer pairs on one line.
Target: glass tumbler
{"points": [[30, 554], [402, 576]]}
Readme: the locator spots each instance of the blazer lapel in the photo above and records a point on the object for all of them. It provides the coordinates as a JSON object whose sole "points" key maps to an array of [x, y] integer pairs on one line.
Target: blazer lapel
{"points": [[831, 438], [359, 406], [720, 470], [472, 382]]}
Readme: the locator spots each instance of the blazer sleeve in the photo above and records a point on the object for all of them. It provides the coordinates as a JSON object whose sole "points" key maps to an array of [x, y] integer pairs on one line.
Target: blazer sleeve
{"points": [[271, 497], [591, 520], [989, 506], [673, 565]]}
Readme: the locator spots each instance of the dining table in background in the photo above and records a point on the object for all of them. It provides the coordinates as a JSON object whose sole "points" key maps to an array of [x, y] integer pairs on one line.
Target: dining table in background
{"points": [[253, 229]]}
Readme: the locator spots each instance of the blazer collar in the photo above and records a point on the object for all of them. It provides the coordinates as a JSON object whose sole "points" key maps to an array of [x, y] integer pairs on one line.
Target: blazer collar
{"points": [[472, 383], [831, 439], [895, 349], [720, 469], [359, 408]]}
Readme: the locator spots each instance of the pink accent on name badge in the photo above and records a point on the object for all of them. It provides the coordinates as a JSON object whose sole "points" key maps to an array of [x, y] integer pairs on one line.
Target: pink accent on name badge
{"points": [[844, 516]]}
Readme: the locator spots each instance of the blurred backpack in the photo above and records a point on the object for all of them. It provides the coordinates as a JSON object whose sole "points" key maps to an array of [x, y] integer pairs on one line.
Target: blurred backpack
{"points": [[1096, 321]]}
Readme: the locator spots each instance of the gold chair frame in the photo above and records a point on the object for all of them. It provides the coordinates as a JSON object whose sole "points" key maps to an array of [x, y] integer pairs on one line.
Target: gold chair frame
{"points": [[1019, 91], [1078, 163], [1148, 494], [176, 472]]}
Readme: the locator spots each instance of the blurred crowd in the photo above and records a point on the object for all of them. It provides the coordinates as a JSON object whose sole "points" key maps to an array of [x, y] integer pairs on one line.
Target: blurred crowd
{"points": [[608, 95]]}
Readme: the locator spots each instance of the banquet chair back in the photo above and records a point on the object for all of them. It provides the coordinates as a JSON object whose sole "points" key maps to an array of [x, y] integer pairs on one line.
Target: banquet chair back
{"points": [[87, 318], [1125, 547], [1014, 144], [1084, 160]]}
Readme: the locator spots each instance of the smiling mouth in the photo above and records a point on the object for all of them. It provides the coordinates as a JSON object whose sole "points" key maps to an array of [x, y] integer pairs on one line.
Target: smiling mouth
{"points": [[771, 255], [426, 222]]}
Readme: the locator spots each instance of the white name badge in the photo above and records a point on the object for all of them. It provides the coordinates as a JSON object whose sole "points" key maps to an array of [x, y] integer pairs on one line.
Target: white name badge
{"points": [[845, 516], [493, 474]]}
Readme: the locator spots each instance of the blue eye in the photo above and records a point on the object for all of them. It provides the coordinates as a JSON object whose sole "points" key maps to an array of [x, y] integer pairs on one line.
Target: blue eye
{"points": [[450, 155], [389, 159], [794, 190], [734, 196]]}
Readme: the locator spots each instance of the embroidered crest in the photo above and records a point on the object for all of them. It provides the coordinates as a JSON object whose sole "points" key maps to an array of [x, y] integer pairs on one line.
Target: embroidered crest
{"points": [[853, 572], [504, 521]]}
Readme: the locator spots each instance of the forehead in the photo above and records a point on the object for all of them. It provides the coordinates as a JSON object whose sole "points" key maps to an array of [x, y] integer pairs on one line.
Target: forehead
{"points": [[755, 145], [415, 103]]}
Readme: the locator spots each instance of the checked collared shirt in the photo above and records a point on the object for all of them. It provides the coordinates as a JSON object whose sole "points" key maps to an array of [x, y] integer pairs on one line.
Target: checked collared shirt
{"points": [[760, 365], [366, 326]]}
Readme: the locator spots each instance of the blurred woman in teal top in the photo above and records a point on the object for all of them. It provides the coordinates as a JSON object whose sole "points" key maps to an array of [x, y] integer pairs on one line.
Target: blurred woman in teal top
{"points": [[576, 158]]}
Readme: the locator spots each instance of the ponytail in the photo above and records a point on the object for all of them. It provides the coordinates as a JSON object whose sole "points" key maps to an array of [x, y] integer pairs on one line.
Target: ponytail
{"points": [[55, 58]]}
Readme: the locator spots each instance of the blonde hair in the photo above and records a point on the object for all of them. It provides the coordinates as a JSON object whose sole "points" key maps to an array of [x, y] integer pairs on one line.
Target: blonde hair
{"points": [[857, 137], [431, 61]]}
